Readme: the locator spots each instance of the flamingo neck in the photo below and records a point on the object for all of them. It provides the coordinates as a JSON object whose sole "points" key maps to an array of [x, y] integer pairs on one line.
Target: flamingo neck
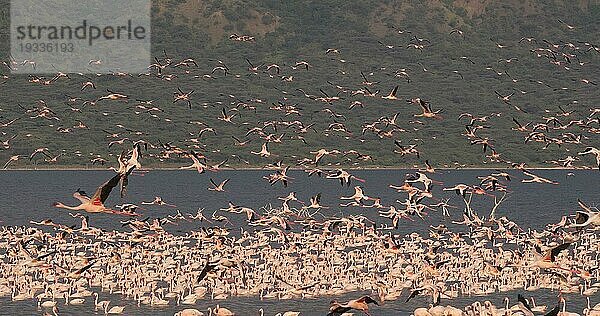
{"points": [[73, 208]]}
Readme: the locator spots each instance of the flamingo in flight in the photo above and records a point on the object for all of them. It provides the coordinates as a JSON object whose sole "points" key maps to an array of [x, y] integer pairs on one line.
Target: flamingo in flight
{"points": [[361, 304], [95, 204], [592, 151], [536, 178], [547, 260], [586, 216], [200, 167], [219, 187]]}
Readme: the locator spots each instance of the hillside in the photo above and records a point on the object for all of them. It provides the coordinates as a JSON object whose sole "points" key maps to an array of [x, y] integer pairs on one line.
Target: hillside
{"points": [[415, 45]]}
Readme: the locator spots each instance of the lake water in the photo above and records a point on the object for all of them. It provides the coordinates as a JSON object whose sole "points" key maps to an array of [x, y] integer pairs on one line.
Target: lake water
{"points": [[28, 195]]}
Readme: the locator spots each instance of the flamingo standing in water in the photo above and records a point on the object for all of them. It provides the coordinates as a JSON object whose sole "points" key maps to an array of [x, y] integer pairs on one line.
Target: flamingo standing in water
{"points": [[113, 310]]}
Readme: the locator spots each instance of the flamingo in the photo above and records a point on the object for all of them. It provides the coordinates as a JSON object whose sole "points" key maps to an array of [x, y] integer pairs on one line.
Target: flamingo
{"points": [[319, 154], [358, 195], [536, 178], [344, 176], [200, 167], [547, 261], [361, 304], [586, 217], [264, 152], [218, 188], [113, 310], [158, 201], [113, 96], [189, 312], [99, 304], [315, 202], [221, 311], [95, 204], [592, 151], [392, 95], [426, 107]]}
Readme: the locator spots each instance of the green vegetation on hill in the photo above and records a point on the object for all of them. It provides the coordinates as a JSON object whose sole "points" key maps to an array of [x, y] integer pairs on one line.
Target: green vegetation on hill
{"points": [[541, 75]]}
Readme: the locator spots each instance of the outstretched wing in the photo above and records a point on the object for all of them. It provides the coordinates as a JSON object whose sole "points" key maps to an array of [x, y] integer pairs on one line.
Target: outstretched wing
{"points": [[413, 294], [524, 302], [135, 155], [538, 249], [103, 191], [86, 267], [517, 122], [125, 180], [581, 218], [81, 196], [207, 268], [367, 299], [423, 104], [554, 311], [337, 310], [556, 250], [77, 274], [363, 75], [584, 207], [40, 257], [441, 263]]}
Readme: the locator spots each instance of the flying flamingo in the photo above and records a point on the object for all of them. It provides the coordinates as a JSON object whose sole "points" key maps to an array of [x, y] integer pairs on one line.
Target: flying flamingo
{"points": [[361, 304], [95, 204], [593, 151], [219, 187]]}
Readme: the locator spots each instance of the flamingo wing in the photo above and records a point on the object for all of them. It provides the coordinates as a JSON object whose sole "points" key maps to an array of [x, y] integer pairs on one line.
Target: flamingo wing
{"points": [[554, 311], [81, 196], [207, 268], [584, 207], [367, 299], [556, 250], [124, 181], [424, 106], [524, 302], [337, 309], [413, 294], [103, 191]]}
